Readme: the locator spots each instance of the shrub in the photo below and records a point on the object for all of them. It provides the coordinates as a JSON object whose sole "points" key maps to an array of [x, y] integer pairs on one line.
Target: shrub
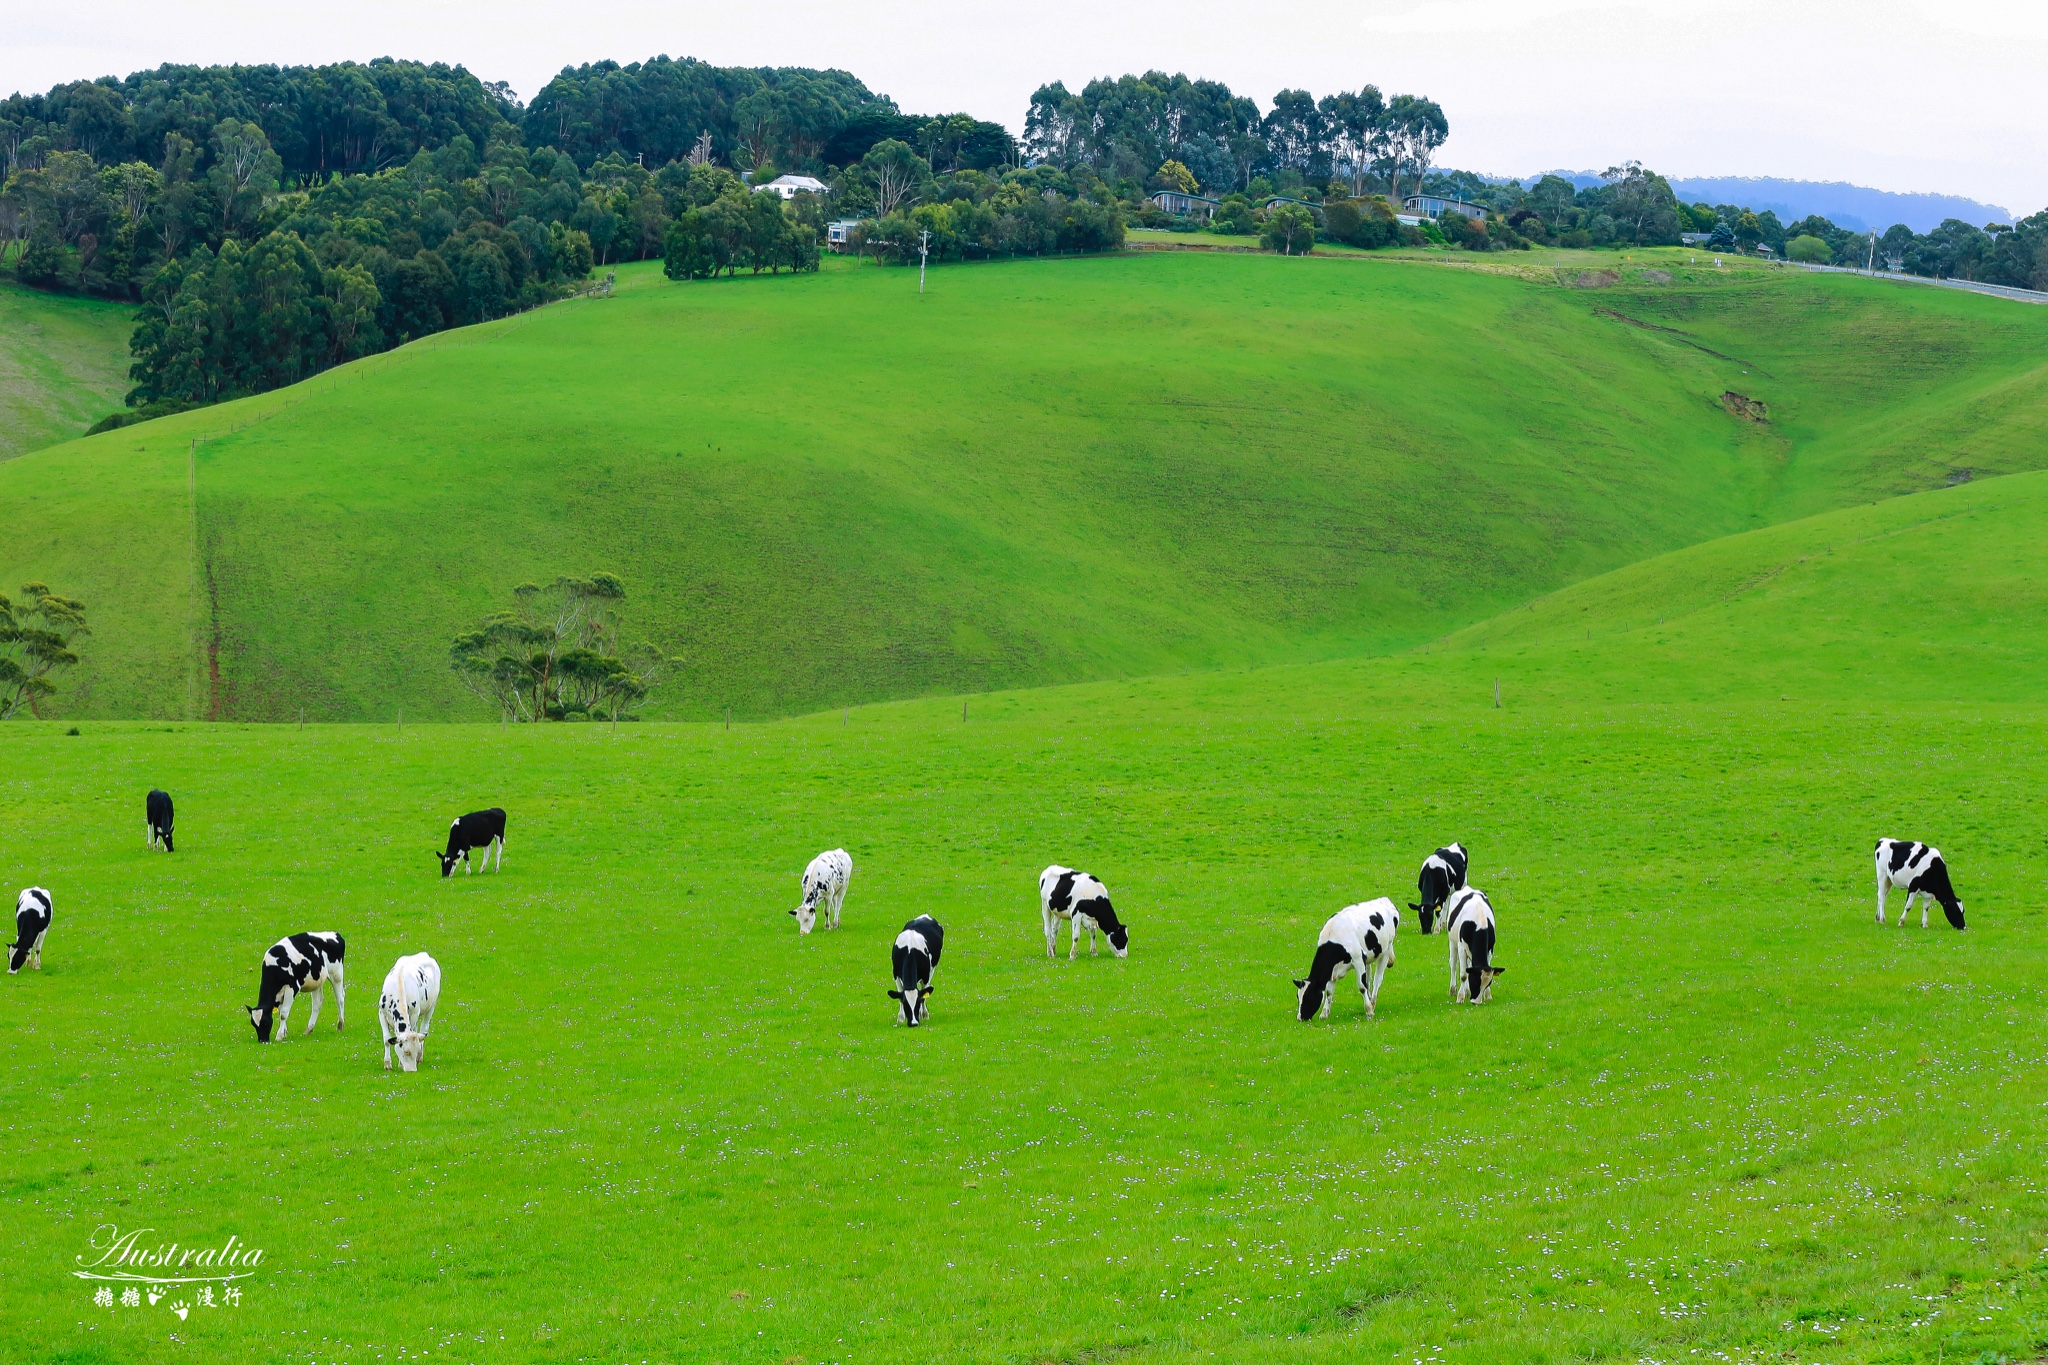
{"points": [[1808, 248]]}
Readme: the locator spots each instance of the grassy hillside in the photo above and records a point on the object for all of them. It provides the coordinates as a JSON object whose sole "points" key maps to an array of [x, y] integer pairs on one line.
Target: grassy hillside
{"points": [[829, 489], [63, 365], [1712, 1110]]}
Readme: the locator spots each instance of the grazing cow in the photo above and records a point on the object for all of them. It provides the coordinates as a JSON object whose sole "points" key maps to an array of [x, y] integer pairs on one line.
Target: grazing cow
{"points": [[1358, 938], [824, 889], [31, 921], [1920, 870], [1443, 872], [1468, 921], [478, 829], [157, 810], [411, 990], [1082, 901], [914, 959], [300, 963]]}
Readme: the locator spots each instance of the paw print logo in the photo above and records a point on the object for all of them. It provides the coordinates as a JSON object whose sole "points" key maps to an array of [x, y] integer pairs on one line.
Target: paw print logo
{"points": [[181, 1308], [155, 1294]]}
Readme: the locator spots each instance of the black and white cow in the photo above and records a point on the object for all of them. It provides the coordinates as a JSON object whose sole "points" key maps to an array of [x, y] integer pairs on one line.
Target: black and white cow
{"points": [[294, 965], [1359, 939], [156, 808], [1443, 872], [1082, 901], [478, 829], [825, 882], [1920, 871], [914, 960], [1468, 922], [412, 988], [32, 914]]}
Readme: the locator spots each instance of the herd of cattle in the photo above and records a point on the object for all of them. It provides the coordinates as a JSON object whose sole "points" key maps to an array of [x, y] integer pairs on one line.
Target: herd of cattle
{"points": [[1359, 939]]}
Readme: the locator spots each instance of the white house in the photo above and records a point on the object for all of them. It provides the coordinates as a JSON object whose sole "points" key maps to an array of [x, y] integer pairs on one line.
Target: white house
{"points": [[789, 186], [839, 233]]}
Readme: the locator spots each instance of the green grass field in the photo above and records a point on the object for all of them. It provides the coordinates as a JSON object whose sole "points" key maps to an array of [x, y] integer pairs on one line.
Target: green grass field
{"points": [[827, 489], [63, 365], [1713, 1111]]}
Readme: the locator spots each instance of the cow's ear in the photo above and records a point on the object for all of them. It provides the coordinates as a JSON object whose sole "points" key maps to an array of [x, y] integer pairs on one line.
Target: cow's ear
{"points": [[930, 987], [895, 995], [792, 914], [1299, 984], [1416, 908]]}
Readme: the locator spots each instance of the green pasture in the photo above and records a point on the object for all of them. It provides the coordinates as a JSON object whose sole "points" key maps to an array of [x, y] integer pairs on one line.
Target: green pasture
{"points": [[829, 489], [1713, 1112], [63, 365]]}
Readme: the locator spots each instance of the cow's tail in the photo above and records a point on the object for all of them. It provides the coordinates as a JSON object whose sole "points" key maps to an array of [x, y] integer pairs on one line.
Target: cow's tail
{"points": [[1479, 944]]}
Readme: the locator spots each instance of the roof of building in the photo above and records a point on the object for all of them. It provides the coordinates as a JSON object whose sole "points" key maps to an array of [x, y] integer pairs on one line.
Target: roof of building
{"points": [[1183, 194]]}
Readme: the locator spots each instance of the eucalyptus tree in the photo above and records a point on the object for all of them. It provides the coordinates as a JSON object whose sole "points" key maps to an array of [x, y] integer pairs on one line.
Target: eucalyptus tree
{"points": [[36, 639]]}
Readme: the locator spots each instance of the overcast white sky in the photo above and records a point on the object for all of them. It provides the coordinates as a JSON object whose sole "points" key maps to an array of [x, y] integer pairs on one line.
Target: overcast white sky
{"points": [[1898, 94]]}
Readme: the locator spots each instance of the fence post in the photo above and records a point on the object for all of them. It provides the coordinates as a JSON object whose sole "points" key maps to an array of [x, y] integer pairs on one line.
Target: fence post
{"points": [[1496, 694]]}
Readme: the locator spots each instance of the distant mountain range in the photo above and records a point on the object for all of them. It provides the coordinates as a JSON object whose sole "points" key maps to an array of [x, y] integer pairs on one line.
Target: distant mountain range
{"points": [[1851, 206]]}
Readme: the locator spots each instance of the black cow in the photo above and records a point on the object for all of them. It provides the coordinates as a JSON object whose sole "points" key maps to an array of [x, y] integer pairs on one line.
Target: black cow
{"points": [[1920, 870], [296, 964], [1443, 872], [478, 829], [914, 959], [157, 810], [31, 921]]}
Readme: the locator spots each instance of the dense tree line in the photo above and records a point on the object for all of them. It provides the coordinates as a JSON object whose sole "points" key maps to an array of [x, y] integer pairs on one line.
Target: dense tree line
{"points": [[1124, 129], [754, 119], [273, 221]]}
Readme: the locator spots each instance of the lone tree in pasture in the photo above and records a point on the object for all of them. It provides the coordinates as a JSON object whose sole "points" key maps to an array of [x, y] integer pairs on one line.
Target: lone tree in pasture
{"points": [[36, 636], [1290, 230], [555, 655]]}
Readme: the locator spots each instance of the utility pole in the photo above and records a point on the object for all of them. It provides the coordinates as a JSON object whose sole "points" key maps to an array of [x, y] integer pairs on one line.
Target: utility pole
{"points": [[924, 246], [1873, 251]]}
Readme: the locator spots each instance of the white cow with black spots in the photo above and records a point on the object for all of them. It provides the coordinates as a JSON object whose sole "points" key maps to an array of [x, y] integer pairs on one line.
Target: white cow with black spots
{"points": [[1468, 921], [1918, 870], [1082, 901], [825, 882], [406, 1006], [298, 964], [1358, 939]]}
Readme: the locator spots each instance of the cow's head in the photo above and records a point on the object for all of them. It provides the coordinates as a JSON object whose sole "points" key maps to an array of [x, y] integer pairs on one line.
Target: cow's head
{"points": [[260, 1017], [1308, 999], [1480, 987], [807, 913], [1120, 940], [166, 832], [399, 1035], [911, 1003], [1954, 911], [1425, 915], [448, 861]]}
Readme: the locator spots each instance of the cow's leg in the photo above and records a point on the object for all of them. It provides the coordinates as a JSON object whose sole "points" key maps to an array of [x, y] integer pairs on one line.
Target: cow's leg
{"points": [[1372, 996], [387, 1052], [499, 865], [282, 1030], [1052, 928], [318, 996], [1880, 899], [340, 980], [1926, 901], [1905, 909], [1074, 942]]}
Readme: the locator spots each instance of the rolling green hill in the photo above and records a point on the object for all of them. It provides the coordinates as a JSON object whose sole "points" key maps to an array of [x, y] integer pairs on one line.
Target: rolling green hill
{"points": [[826, 489], [63, 365]]}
